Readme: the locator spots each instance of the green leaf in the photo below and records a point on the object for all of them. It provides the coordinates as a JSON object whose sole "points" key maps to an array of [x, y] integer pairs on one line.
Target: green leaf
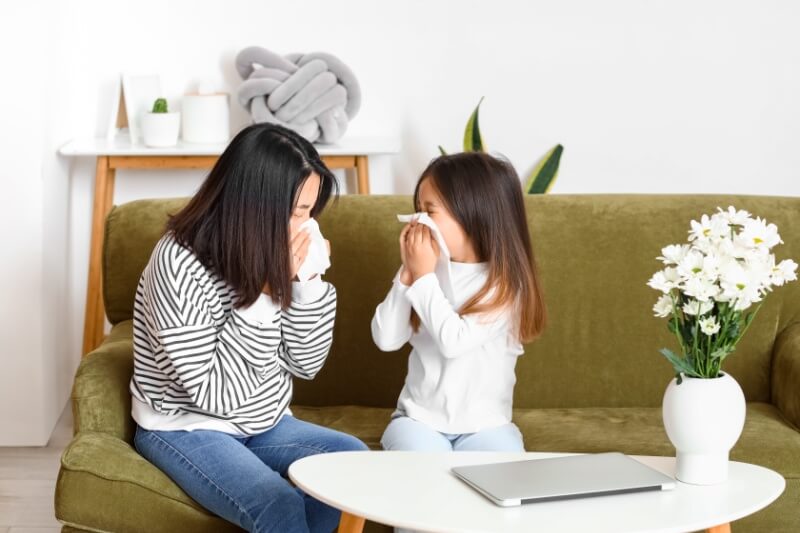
{"points": [[544, 174], [679, 364], [441, 150], [472, 133], [719, 353]]}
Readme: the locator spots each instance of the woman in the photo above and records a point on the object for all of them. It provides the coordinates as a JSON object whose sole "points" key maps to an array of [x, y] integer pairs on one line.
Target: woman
{"points": [[220, 329]]}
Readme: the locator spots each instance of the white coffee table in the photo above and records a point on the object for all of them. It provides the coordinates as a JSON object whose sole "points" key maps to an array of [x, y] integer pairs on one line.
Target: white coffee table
{"points": [[417, 491]]}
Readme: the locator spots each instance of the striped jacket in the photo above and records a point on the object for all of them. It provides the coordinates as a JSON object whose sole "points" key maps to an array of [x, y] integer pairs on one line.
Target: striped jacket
{"points": [[195, 354]]}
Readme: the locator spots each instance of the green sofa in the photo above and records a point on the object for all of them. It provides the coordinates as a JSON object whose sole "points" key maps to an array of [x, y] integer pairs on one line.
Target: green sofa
{"points": [[593, 382]]}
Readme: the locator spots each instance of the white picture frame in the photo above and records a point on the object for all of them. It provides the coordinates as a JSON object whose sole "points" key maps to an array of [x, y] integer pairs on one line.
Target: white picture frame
{"points": [[139, 91]]}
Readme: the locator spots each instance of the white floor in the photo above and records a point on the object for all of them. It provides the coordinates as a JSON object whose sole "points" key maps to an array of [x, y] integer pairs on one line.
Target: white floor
{"points": [[28, 480]]}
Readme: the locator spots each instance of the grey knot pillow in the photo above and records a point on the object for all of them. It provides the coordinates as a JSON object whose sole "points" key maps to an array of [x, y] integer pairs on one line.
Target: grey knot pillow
{"points": [[314, 94]]}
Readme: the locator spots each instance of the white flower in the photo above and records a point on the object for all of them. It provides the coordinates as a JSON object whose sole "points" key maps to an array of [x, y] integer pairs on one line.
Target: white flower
{"points": [[696, 307], [739, 286], [674, 253], [758, 234], [733, 217], [664, 280], [784, 272], [701, 289], [663, 306], [709, 325], [708, 229], [697, 265]]}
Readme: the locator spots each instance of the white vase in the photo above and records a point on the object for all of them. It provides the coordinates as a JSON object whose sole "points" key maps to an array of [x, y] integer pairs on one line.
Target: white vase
{"points": [[703, 419], [160, 130], [205, 118]]}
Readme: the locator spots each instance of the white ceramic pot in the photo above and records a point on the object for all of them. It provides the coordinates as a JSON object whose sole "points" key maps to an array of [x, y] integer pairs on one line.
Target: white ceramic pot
{"points": [[160, 130], [703, 419]]}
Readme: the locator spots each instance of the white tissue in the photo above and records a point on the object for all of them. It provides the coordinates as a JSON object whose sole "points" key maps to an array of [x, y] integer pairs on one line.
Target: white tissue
{"points": [[317, 260], [443, 263]]}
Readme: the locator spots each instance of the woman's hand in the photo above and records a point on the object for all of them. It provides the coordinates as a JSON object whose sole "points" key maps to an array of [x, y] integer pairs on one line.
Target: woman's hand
{"points": [[418, 250], [298, 246]]}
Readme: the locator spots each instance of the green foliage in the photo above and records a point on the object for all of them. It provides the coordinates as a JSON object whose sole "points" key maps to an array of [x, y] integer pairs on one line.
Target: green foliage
{"points": [[160, 106], [543, 175], [702, 355], [472, 132]]}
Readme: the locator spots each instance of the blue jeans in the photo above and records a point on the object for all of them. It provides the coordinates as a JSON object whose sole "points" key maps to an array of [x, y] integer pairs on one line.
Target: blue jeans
{"points": [[404, 433], [243, 479]]}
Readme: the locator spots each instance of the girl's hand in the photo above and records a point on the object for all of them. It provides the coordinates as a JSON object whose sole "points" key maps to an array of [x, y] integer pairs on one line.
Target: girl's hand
{"points": [[298, 246], [421, 251]]}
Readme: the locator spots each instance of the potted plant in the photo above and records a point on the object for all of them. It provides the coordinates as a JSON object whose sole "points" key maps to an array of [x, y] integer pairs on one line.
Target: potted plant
{"points": [[160, 128], [544, 173], [712, 289]]}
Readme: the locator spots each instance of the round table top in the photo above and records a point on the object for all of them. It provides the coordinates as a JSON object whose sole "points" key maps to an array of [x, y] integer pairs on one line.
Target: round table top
{"points": [[417, 490]]}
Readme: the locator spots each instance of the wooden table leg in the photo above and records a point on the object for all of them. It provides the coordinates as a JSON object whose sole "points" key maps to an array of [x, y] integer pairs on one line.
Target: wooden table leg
{"points": [[94, 316], [723, 528], [362, 173], [350, 523]]}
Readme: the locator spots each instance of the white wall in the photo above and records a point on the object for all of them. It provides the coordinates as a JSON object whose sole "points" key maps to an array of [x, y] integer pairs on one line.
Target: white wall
{"points": [[646, 96]]}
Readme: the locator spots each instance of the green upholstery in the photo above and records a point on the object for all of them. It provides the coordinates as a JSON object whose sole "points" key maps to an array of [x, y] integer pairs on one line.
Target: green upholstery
{"points": [[592, 382]]}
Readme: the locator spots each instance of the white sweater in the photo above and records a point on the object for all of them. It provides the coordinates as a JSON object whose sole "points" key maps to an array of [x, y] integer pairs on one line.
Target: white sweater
{"points": [[461, 368]]}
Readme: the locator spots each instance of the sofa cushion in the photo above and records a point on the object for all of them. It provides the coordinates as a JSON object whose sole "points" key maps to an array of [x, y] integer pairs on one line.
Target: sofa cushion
{"points": [[766, 440]]}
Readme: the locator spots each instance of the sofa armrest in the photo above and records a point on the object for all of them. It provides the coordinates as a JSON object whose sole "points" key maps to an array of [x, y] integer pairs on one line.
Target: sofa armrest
{"points": [[786, 373], [105, 485], [101, 399]]}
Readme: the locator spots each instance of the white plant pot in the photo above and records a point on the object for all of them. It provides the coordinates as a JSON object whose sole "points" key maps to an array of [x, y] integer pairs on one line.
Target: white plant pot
{"points": [[703, 419], [160, 130]]}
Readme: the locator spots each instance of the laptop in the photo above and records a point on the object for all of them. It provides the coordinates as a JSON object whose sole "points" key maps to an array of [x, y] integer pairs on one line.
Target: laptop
{"points": [[561, 478]]}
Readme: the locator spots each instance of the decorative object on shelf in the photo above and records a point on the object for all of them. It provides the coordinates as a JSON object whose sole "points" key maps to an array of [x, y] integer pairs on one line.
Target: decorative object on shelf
{"points": [[160, 127], [205, 116], [544, 173], [314, 94], [709, 289], [133, 97]]}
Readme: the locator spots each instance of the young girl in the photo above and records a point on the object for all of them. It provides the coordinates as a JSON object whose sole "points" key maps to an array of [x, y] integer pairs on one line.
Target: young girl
{"points": [[466, 316]]}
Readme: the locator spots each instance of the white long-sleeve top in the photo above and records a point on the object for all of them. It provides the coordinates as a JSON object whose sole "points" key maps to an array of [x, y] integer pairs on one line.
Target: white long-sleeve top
{"points": [[201, 364], [461, 368]]}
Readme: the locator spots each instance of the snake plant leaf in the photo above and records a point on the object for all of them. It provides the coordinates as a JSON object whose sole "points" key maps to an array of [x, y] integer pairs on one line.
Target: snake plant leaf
{"points": [[544, 174], [472, 132], [441, 150]]}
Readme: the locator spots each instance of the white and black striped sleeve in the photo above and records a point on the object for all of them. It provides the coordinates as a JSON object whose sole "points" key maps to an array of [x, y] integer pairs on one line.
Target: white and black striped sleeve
{"points": [[220, 361], [307, 328]]}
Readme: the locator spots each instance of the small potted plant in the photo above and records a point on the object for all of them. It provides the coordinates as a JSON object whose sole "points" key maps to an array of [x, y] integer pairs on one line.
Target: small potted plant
{"points": [[712, 287], [160, 128]]}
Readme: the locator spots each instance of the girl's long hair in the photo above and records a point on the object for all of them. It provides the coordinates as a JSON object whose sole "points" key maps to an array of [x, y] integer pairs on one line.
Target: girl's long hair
{"points": [[238, 222], [484, 195]]}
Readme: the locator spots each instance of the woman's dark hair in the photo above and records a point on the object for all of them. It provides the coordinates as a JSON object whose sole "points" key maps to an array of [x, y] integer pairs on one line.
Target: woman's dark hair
{"points": [[484, 195], [238, 222]]}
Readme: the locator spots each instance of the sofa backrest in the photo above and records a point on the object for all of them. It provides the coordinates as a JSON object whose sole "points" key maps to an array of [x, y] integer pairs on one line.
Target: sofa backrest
{"points": [[595, 255]]}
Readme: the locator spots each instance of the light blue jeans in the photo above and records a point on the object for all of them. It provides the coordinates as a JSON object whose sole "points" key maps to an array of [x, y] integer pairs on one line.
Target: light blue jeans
{"points": [[243, 479], [404, 433]]}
